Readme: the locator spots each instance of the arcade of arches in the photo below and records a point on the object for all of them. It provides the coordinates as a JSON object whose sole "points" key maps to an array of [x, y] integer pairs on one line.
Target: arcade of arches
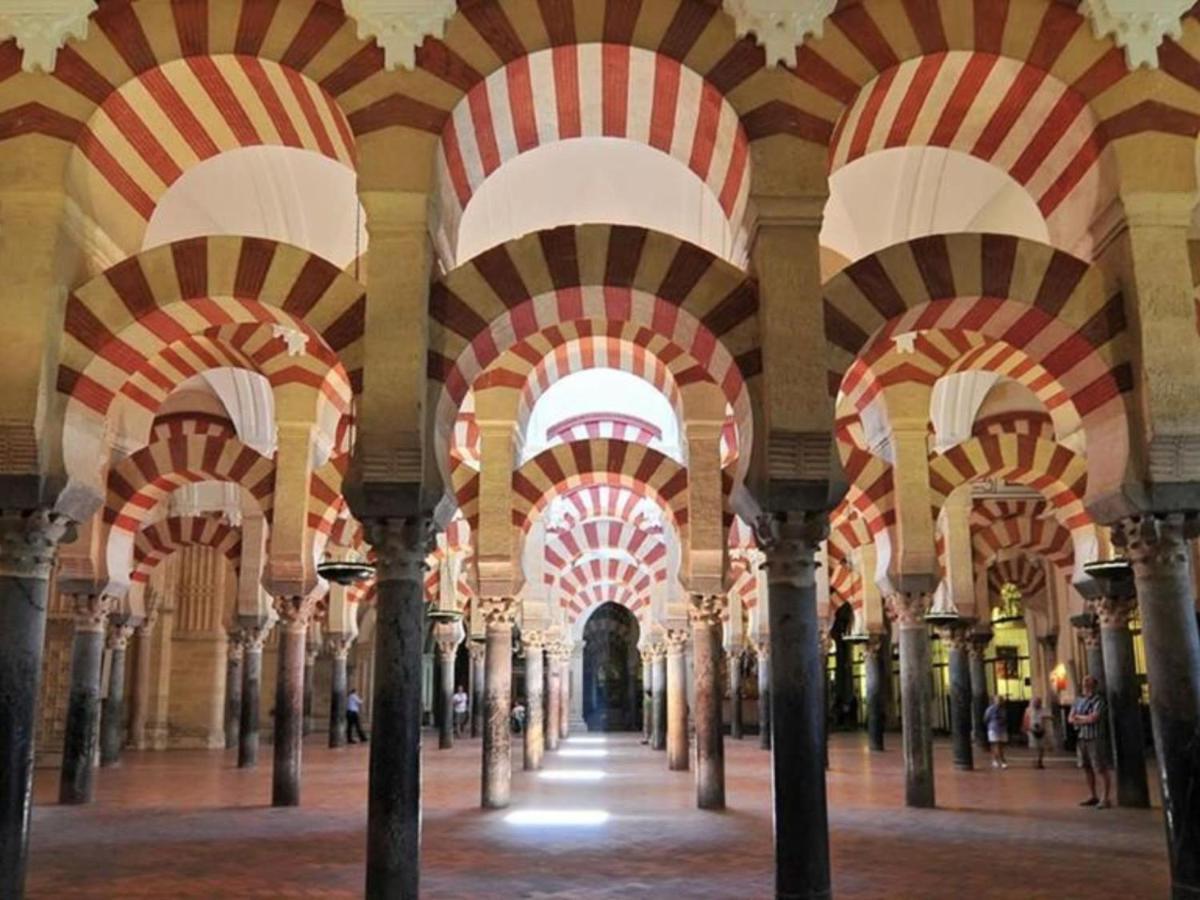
{"points": [[632, 366]]}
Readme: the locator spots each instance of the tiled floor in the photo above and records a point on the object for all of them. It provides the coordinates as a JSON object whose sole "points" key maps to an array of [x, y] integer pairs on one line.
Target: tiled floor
{"points": [[191, 825]]}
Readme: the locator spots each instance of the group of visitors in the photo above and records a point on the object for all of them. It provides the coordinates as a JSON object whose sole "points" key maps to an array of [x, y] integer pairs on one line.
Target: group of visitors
{"points": [[1086, 717]]}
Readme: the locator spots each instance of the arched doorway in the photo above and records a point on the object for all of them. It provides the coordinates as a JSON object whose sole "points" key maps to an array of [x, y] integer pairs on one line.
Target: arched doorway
{"points": [[612, 672]]}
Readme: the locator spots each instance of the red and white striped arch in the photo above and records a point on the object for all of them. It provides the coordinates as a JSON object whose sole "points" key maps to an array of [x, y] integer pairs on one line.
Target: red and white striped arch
{"points": [[1011, 114], [998, 526], [597, 535], [157, 541], [609, 425], [599, 593], [592, 502], [189, 424], [591, 91], [1025, 571], [165, 120], [599, 570]]}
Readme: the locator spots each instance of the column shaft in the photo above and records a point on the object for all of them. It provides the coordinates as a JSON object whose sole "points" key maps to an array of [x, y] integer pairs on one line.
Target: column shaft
{"points": [[446, 657], [658, 699], [960, 701], [478, 669], [337, 698], [535, 703], [979, 690], [82, 733], [764, 695], [735, 694], [647, 695], [310, 666], [554, 667], [878, 660], [233, 693], [710, 739], [677, 713], [289, 714], [112, 733], [251, 698], [1124, 711], [497, 737], [915, 698]]}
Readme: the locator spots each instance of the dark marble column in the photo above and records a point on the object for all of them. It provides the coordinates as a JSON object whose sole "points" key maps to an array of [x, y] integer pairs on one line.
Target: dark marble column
{"points": [[28, 543], [958, 640], [310, 669], [394, 791], [979, 688], [1123, 695], [705, 614], [77, 783], [677, 711], [734, 664], [233, 690], [554, 675], [877, 659], [797, 720], [295, 614], [647, 655], [339, 651], [1157, 547], [534, 643], [447, 637], [252, 647], [499, 613], [762, 651], [658, 698], [478, 650], [916, 668], [112, 723]]}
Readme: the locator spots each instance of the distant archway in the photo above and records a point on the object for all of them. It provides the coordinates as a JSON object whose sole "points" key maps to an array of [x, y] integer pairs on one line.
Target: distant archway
{"points": [[612, 671]]}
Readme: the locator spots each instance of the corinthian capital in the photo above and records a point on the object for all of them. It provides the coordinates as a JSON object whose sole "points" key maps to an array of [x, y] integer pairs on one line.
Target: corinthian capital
{"points": [[1154, 542], [401, 546], [790, 541], [28, 541], [118, 636], [675, 640], [91, 611], [499, 612], [909, 607], [707, 609]]}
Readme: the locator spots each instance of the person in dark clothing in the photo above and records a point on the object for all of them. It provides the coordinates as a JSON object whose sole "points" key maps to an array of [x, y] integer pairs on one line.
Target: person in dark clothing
{"points": [[353, 722]]}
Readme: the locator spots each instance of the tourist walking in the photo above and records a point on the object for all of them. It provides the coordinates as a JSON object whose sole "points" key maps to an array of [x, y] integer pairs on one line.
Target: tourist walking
{"points": [[353, 718], [995, 717], [459, 703]]}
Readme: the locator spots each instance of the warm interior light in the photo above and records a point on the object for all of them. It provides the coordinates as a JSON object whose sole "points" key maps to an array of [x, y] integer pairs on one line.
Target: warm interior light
{"points": [[582, 751], [557, 817], [571, 775]]}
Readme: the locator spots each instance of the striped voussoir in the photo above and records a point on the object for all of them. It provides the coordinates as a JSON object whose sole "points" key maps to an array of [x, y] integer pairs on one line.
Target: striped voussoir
{"points": [[1033, 423], [1022, 525], [745, 584], [845, 585], [593, 502], [1026, 572], [141, 481], [599, 463], [871, 492], [599, 593], [326, 506], [847, 530], [575, 583], [565, 547], [187, 424], [157, 541]]}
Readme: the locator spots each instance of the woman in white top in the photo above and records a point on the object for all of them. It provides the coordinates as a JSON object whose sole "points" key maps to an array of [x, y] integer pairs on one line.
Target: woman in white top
{"points": [[1038, 722]]}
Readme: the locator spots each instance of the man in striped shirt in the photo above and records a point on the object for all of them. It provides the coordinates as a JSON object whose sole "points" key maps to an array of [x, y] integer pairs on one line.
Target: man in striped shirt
{"points": [[1086, 715]]}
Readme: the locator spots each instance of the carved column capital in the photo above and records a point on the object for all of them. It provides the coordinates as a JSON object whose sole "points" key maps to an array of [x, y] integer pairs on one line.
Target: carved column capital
{"points": [[762, 649], [675, 640], [707, 609], [734, 656], [647, 654], [339, 645], [235, 646], [908, 608], [1154, 542], [295, 613], [446, 637], [478, 651], [957, 637], [534, 641], [118, 636], [91, 611], [255, 635], [790, 542], [1114, 612], [499, 612], [401, 547], [979, 642], [29, 540], [1087, 626], [873, 646]]}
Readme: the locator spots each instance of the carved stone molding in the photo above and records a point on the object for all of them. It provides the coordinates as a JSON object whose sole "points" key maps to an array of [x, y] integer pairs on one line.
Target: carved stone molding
{"points": [[762, 649], [790, 542], [499, 612], [401, 547], [41, 28], [706, 609], [478, 651], [295, 613], [118, 637], [1139, 26], [28, 542], [254, 636], [1155, 542], [339, 645], [400, 26], [235, 648], [675, 640], [908, 608], [780, 26], [1114, 612], [91, 611]]}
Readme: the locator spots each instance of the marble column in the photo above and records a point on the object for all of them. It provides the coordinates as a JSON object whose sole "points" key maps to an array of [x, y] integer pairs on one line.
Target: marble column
{"points": [[705, 615], [28, 543], [253, 637], [498, 613], [143, 648], [310, 669], [677, 712], [658, 698], [734, 663], [233, 689], [647, 655], [295, 614], [477, 649], [554, 676], [1087, 627], [76, 783], [958, 640], [572, 688], [112, 725], [979, 687], [534, 643], [447, 637], [394, 789], [797, 721], [762, 653], [1123, 695], [339, 652], [916, 668], [877, 659]]}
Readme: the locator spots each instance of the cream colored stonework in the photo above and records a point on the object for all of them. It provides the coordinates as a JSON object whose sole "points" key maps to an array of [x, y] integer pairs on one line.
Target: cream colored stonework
{"points": [[42, 27]]}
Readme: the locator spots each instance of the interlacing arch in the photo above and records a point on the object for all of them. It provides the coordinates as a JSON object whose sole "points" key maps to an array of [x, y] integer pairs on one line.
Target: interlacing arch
{"points": [[565, 547], [190, 424], [586, 280], [157, 541], [598, 570]]}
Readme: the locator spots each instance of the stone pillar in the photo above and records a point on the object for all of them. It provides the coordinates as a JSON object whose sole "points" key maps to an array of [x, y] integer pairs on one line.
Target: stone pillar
{"points": [[647, 654], [76, 784], [734, 663], [572, 689], [1087, 626], [958, 640], [555, 659], [112, 735], [677, 712], [1123, 695], [394, 791], [797, 720], [233, 689], [979, 687], [534, 643], [27, 547], [339, 651], [294, 616], [447, 637], [877, 659], [916, 667], [310, 668], [499, 613], [477, 649], [658, 697], [253, 637], [762, 651], [705, 615]]}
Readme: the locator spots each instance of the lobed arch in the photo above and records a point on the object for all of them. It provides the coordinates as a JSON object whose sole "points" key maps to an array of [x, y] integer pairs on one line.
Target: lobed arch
{"points": [[564, 548], [580, 606], [157, 541], [598, 276]]}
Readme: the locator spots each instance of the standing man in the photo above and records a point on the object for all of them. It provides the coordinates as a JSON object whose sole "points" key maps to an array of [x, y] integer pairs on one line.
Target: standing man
{"points": [[1086, 715], [459, 703], [353, 722]]}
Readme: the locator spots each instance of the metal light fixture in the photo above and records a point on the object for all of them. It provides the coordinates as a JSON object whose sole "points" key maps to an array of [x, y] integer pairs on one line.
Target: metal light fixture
{"points": [[1117, 569], [345, 572]]}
